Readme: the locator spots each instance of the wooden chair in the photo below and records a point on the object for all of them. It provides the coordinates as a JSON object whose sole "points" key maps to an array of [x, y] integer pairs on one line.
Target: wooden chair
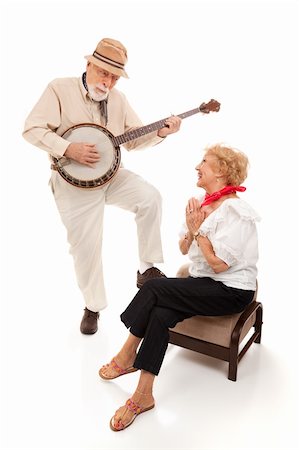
{"points": [[220, 336]]}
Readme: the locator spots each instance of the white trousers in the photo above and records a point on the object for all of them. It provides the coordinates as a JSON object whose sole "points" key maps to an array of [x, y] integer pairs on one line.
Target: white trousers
{"points": [[82, 212]]}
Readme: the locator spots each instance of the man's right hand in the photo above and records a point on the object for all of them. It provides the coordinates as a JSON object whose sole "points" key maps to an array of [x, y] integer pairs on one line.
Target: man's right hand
{"points": [[83, 152]]}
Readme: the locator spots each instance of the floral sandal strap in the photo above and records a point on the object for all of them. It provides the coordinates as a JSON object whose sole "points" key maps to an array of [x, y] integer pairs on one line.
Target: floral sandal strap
{"points": [[116, 367], [134, 407]]}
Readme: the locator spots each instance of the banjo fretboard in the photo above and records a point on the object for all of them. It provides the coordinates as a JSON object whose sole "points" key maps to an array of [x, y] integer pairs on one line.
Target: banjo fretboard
{"points": [[138, 132]]}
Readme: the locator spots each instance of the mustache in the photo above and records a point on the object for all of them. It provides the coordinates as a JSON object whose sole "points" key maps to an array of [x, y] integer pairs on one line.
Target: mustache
{"points": [[101, 86], [95, 95]]}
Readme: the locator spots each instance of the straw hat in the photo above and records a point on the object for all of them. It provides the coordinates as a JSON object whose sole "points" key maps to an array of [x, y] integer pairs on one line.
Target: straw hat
{"points": [[110, 55]]}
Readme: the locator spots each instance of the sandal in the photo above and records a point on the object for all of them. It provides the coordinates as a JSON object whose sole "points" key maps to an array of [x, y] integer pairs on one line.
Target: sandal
{"points": [[136, 409], [119, 371]]}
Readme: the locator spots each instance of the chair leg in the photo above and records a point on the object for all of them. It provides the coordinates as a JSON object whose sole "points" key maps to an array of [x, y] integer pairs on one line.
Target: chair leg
{"points": [[258, 324], [233, 364], [233, 353]]}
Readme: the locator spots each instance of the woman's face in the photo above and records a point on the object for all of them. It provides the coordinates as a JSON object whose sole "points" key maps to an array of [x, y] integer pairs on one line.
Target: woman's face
{"points": [[208, 172]]}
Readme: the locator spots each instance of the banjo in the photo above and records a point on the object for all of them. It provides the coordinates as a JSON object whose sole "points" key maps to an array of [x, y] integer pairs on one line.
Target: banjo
{"points": [[108, 146]]}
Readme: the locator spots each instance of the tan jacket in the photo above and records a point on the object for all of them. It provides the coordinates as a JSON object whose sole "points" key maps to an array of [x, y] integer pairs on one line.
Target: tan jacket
{"points": [[65, 103]]}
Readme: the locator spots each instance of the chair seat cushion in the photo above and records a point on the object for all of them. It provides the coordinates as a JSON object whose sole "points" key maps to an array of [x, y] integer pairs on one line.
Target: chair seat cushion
{"points": [[216, 329]]}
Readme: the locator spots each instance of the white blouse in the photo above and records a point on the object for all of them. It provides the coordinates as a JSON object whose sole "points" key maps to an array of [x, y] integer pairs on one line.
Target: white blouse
{"points": [[231, 229]]}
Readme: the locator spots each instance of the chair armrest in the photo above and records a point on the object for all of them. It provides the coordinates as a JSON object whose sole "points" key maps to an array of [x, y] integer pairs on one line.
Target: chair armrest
{"points": [[246, 314]]}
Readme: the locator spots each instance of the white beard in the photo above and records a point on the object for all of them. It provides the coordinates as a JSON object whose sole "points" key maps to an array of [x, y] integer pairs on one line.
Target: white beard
{"points": [[96, 96]]}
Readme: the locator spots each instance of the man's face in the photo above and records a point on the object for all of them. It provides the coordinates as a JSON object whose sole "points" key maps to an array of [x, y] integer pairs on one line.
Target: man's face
{"points": [[100, 81]]}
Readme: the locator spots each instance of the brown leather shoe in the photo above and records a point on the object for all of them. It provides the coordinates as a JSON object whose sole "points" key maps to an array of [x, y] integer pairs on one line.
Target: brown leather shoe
{"points": [[149, 274], [89, 323]]}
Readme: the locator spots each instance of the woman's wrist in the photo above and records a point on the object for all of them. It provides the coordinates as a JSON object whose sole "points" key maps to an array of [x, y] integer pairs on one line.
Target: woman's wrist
{"points": [[188, 237]]}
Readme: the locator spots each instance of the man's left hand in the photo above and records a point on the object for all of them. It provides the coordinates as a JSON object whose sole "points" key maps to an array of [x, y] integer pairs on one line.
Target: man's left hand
{"points": [[172, 125]]}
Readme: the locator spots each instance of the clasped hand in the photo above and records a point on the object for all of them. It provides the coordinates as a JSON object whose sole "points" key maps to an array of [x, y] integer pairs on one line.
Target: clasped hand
{"points": [[194, 215], [83, 152]]}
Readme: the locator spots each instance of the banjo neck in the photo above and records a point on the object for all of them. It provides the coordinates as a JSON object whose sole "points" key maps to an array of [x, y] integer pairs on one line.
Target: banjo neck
{"points": [[204, 108]]}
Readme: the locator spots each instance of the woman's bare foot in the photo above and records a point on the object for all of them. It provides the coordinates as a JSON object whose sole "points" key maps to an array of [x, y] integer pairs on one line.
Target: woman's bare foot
{"points": [[125, 415], [121, 364]]}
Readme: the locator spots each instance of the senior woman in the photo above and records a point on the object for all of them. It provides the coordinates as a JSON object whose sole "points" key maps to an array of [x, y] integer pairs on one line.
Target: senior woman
{"points": [[220, 238]]}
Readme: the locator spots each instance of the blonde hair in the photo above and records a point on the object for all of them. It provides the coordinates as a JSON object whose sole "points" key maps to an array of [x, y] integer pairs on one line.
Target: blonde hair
{"points": [[232, 163]]}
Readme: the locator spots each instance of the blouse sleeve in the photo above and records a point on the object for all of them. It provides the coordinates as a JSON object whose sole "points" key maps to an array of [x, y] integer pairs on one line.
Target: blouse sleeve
{"points": [[232, 232]]}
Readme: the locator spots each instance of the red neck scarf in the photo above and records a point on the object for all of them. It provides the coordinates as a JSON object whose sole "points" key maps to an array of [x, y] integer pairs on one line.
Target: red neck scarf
{"points": [[209, 198]]}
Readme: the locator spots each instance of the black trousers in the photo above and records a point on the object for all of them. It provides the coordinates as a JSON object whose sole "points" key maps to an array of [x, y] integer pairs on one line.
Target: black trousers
{"points": [[163, 302]]}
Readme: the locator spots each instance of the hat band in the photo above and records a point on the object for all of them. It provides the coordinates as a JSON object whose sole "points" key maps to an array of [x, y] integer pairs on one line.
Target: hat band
{"points": [[108, 61]]}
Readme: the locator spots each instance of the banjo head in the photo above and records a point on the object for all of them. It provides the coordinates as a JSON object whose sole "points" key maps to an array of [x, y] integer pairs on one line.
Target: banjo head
{"points": [[81, 175]]}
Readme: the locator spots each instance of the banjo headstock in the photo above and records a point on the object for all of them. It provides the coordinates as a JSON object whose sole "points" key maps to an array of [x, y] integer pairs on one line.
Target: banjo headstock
{"points": [[213, 106]]}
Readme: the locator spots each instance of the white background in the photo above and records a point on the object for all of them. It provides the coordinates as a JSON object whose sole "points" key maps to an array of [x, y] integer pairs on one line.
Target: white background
{"points": [[181, 53]]}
